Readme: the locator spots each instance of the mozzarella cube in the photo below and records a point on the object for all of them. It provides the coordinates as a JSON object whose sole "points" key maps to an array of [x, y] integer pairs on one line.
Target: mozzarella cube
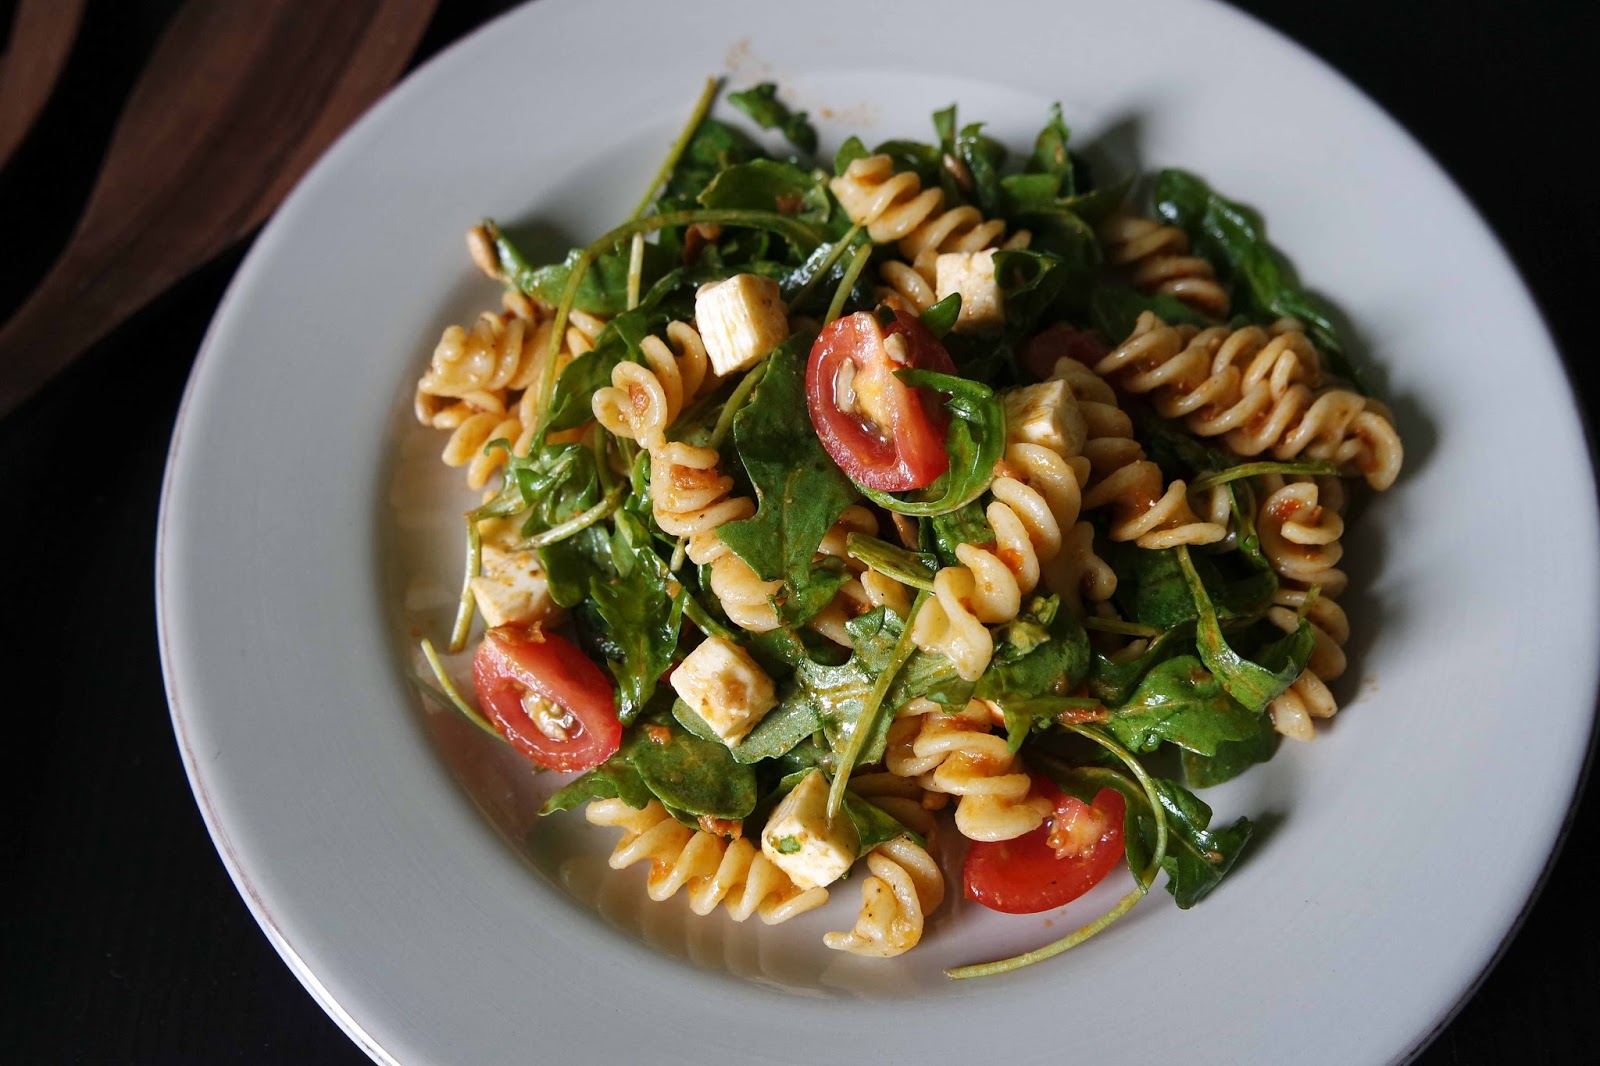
{"points": [[1045, 414], [740, 320], [724, 686], [510, 588], [972, 275], [799, 840]]}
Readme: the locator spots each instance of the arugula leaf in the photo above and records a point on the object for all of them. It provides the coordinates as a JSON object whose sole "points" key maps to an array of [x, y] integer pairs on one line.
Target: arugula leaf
{"points": [[1234, 237], [1043, 652], [800, 492], [1233, 757], [715, 147], [873, 824], [698, 777], [1113, 681], [1115, 309], [767, 185], [604, 288], [941, 317], [851, 150], [967, 524], [642, 617], [1179, 701], [916, 569], [1254, 684], [761, 103], [613, 779], [1050, 158], [975, 440]]}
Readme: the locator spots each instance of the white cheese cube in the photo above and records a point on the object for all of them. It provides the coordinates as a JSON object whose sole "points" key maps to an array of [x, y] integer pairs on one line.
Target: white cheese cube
{"points": [[510, 588], [1045, 414], [972, 275], [725, 687], [740, 320], [799, 840]]}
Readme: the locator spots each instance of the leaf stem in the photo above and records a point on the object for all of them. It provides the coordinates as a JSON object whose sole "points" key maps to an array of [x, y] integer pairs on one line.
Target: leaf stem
{"points": [[670, 163], [870, 709], [1234, 473], [741, 393], [468, 604], [858, 263], [578, 522], [827, 264], [452, 695], [1117, 625]]}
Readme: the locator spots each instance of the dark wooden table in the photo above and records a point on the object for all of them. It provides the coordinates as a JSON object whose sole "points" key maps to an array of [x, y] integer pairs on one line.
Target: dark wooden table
{"points": [[124, 940]]}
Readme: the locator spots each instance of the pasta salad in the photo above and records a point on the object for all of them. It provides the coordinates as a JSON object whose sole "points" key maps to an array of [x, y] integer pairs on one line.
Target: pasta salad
{"points": [[928, 502]]}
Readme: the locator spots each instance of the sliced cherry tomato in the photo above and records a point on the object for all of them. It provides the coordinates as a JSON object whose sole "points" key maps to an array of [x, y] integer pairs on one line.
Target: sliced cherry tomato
{"points": [[548, 699], [1041, 353], [1056, 863], [885, 434]]}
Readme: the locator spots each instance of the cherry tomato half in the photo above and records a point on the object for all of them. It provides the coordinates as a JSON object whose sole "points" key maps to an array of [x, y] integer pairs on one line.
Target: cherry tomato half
{"points": [[1042, 351], [1056, 863], [885, 434], [547, 698]]}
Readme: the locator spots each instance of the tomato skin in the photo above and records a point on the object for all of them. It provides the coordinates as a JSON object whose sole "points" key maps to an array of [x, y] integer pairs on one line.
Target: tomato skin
{"points": [[1041, 352], [1027, 875], [909, 452], [512, 662]]}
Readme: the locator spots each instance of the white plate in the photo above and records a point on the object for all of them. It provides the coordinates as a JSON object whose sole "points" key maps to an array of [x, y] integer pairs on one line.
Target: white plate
{"points": [[304, 528]]}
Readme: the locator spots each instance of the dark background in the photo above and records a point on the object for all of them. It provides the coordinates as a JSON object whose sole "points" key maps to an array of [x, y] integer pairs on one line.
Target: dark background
{"points": [[125, 942]]}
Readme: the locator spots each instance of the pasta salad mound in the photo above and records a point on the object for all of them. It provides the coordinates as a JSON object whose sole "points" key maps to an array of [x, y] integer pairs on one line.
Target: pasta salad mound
{"points": [[931, 501]]}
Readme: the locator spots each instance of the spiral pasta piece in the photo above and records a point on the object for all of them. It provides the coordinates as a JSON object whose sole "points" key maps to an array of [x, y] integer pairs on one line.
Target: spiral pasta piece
{"points": [[1158, 262], [958, 755], [905, 886], [895, 207], [691, 498], [1300, 538], [1257, 390], [480, 381], [865, 589], [715, 870], [1147, 514], [643, 399]]}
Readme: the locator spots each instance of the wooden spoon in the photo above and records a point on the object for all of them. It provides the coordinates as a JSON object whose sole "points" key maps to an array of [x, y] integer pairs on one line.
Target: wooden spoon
{"points": [[42, 32], [237, 100]]}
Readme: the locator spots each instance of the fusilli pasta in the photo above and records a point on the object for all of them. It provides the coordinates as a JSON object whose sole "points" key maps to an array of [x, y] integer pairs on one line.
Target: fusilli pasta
{"points": [[733, 873], [956, 753], [904, 887], [1158, 261]]}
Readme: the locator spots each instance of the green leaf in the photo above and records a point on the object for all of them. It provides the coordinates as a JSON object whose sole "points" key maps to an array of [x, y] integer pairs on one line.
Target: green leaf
{"points": [[1050, 159], [696, 776], [1234, 238], [767, 185], [873, 824], [916, 569], [1113, 681], [1233, 757], [1042, 652], [777, 734], [1253, 683], [851, 150], [614, 779], [941, 317], [975, 440], [800, 492], [1115, 309], [761, 103], [715, 147], [642, 617], [1179, 701]]}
